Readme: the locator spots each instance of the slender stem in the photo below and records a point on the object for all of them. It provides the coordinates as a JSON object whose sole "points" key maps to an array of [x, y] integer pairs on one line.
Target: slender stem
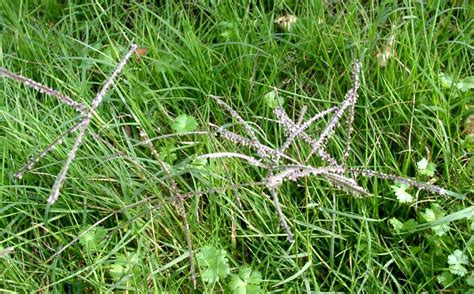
{"points": [[177, 204], [251, 160], [53, 197], [276, 202], [44, 89], [350, 99], [31, 163], [412, 182], [291, 126], [238, 117], [190, 248], [300, 129]]}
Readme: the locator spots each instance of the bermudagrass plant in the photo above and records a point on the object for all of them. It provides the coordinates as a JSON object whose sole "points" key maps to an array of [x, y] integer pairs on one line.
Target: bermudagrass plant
{"points": [[86, 113], [279, 166]]}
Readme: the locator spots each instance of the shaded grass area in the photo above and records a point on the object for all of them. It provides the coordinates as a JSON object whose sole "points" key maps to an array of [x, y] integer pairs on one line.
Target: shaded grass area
{"points": [[342, 243]]}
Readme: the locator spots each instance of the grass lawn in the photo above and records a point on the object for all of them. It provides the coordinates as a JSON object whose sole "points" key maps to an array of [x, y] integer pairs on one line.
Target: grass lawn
{"points": [[118, 226]]}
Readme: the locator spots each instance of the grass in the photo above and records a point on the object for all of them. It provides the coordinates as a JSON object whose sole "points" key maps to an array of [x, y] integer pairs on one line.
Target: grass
{"points": [[232, 50]]}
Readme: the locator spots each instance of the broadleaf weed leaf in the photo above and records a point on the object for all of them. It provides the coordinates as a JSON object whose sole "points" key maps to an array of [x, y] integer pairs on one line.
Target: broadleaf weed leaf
{"points": [[458, 269], [396, 224], [213, 263], [466, 84], [400, 227], [167, 153], [445, 278], [409, 225], [247, 281], [402, 195], [93, 241], [463, 85], [124, 264], [425, 167], [434, 213], [273, 100], [456, 262], [184, 123], [447, 81], [470, 280]]}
